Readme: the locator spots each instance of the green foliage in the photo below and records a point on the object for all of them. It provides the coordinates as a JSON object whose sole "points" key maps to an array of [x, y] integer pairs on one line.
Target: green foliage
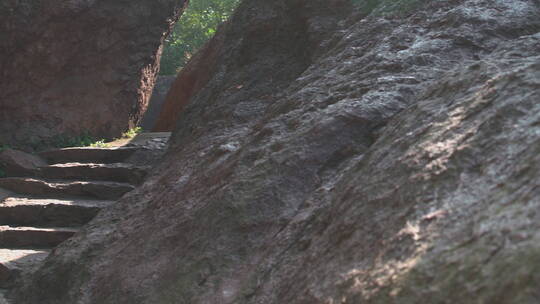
{"points": [[2, 173], [83, 140], [196, 26], [200, 21], [4, 147], [86, 140], [100, 144], [132, 132]]}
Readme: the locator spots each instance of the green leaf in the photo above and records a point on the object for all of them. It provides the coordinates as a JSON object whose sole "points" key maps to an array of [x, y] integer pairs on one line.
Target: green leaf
{"points": [[196, 26]]}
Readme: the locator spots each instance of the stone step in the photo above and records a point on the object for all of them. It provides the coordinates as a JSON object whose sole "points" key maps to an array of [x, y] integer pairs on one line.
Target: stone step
{"points": [[19, 211], [88, 155], [63, 188], [118, 172], [32, 237], [14, 262]]}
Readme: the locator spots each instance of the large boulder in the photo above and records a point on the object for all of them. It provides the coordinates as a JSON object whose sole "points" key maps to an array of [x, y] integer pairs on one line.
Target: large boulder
{"points": [[78, 67], [336, 159]]}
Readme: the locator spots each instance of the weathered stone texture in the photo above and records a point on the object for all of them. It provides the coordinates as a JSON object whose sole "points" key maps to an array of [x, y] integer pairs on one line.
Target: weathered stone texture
{"points": [[81, 66], [336, 160]]}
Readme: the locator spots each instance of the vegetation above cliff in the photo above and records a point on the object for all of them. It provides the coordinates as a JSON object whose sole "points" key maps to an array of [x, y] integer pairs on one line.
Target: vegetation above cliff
{"points": [[202, 18], [195, 27]]}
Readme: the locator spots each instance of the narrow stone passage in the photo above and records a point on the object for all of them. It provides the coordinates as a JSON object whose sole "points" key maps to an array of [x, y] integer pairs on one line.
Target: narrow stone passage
{"points": [[50, 204]]}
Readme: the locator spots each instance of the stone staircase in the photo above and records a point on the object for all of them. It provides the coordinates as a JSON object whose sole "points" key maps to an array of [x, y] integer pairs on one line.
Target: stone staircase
{"points": [[46, 207]]}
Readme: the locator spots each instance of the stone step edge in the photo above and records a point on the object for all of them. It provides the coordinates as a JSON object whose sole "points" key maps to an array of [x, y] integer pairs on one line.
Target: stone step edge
{"points": [[15, 261], [88, 154], [20, 211], [18, 200], [64, 188], [34, 237]]}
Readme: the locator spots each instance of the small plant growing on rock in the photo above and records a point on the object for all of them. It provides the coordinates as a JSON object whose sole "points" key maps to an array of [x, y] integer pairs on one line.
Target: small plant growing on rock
{"points": [[132, 132], [83, 140], [100, 144]]}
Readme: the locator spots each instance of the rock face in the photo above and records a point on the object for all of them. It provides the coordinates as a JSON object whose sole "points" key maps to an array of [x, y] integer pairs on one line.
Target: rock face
{"points": [[162, 87], [335, 159], [78, 67], [193, 77]]}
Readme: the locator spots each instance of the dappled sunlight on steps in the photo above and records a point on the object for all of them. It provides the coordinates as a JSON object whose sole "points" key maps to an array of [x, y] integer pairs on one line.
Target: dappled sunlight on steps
{"points": [[43, 209]]}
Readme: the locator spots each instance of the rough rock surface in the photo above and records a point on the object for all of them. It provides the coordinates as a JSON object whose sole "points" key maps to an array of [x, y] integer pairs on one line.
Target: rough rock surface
{"points": [[81, 66], [19, 163], [372, 160], [161, 88]]}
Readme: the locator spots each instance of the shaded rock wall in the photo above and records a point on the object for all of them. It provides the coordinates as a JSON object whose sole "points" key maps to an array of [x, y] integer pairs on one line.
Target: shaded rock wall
{"points": [[72, 67], [193, 77], [345, 160], [159, 93]]}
